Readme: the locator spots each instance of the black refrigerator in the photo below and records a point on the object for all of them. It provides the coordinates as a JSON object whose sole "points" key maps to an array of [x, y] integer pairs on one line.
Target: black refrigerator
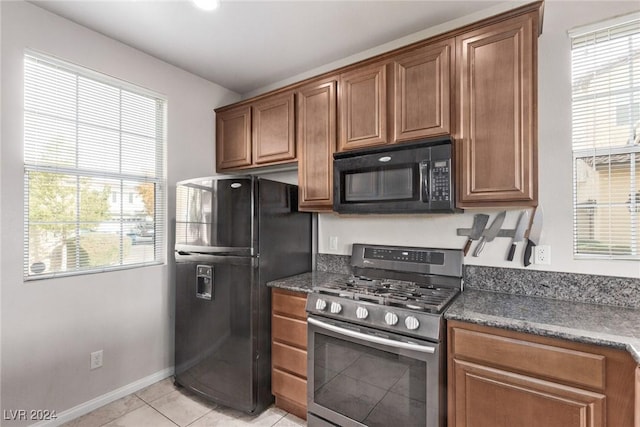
{"points": [[233, 235]]}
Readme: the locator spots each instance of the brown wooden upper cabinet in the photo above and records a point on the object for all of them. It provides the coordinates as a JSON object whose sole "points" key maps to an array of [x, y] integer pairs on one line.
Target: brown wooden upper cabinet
{"points": [[316, 135], [497, 117], [274, 130], [233, 138], [478, 84], [363, 107], [422, 90], [258, 134]]}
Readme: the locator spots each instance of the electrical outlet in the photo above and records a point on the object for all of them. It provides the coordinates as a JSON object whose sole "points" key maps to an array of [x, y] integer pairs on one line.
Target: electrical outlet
{"points": [[333, 243], [543, 254], [96, 359]]}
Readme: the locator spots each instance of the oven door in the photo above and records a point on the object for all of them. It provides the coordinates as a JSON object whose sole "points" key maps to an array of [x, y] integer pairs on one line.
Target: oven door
{"points": [[358, 376]]}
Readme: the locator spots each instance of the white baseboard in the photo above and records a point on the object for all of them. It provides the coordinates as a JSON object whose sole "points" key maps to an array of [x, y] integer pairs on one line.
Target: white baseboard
{"points": [[86, 407]]}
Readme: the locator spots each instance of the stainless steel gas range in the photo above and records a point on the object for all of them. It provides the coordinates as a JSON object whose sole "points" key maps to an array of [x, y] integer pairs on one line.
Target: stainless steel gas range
{"points": [[376, 352]]}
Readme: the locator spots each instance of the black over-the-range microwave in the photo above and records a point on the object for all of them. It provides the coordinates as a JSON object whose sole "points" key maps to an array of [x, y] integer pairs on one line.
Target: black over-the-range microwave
{"points": [[405, 178]]}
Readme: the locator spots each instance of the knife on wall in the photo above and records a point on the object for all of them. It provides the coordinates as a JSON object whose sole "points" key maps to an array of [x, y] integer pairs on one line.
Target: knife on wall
{"points": [[521, 228], [479, 223], [534, 235], [491, 232]]}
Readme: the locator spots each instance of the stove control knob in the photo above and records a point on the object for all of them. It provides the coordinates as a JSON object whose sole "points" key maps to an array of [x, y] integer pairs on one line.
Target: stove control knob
{"points": [[390, 318], [362, 313], [411, 323], [321, 304], [335, 308]]}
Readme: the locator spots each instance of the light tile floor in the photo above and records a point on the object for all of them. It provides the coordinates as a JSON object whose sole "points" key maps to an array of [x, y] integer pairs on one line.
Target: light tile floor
{"points": [[163, 404]]}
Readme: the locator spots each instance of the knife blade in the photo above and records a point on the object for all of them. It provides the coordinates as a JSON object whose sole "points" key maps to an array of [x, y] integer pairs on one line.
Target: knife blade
{"points": [[491, 232], [479, 223], [521, 228], [533, 237]]}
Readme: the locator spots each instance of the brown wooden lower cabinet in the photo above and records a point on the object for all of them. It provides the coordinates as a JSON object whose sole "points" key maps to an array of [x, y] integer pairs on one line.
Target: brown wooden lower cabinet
{"points": [[500, 378], [289, 351], [637, 397]]}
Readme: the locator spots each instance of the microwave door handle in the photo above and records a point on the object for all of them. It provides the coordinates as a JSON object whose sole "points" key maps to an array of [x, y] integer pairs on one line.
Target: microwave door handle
{"points": [[372, 338], [425, 180]]}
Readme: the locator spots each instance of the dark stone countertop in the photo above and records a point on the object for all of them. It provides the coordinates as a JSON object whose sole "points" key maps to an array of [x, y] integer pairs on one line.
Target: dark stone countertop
{"points": [[605, 325], [305, 282]]}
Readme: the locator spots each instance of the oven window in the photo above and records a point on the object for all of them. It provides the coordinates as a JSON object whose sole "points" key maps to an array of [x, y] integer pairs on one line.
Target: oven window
{"points": [[368, 385], [380, 184]]}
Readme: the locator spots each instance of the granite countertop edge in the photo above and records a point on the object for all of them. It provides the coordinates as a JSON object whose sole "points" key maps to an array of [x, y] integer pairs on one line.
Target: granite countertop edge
{"points": [[490, 310], [305, 282]]}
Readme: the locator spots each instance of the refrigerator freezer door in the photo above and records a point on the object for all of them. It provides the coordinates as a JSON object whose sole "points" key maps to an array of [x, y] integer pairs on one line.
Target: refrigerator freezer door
{"points": [[214, 350], [215, 214]]}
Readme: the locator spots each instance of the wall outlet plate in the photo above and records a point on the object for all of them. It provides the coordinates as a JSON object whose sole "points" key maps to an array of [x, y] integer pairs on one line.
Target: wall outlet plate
{"points": [[96, 360], [542, 255], [333, 243]]}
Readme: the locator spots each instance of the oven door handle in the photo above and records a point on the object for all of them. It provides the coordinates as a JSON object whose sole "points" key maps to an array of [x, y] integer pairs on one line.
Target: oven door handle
{"points": [[372, 338]]}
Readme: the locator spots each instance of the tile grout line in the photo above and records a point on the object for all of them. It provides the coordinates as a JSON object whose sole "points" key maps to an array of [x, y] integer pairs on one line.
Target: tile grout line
{"points": [[199, 418], [126, 413], [170, 420], [281, 418]]}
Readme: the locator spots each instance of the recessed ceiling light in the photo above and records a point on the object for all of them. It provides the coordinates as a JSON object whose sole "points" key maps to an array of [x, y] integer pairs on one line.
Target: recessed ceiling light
{"points": [[207, 4]]}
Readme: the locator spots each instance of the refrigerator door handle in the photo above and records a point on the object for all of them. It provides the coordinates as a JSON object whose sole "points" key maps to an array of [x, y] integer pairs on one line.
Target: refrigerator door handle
{"points": [[214, 250]]}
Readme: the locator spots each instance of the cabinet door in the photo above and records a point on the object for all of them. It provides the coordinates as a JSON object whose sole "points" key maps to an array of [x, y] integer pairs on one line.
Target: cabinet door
{"points": [[497, 140], [316, 131], [273, 130], [422, 104], [233, 138], [363, 107], [488, 397]]}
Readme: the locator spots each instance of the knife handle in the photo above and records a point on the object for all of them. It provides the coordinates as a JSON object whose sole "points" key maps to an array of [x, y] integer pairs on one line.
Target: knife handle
{"points": [[512, 251], [466, 247], [480, 246], [527, 252]]}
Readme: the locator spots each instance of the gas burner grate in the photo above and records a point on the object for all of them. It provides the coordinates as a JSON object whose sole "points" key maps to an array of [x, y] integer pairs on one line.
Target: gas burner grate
{"points": [[395, 293]]}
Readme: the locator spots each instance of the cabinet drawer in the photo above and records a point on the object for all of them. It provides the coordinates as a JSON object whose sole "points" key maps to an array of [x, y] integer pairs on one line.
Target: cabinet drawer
{"points": [[289, 304], [290, 331], [289, 358], [564, 365], [289, 386]]}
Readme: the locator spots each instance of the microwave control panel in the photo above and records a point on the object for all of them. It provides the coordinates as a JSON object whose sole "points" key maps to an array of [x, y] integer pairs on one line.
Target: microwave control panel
{"points": [[440, 181]]}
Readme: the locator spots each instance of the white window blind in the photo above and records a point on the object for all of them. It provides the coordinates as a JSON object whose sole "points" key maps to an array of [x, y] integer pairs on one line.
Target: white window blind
{"points": [[606, 139], [94, 171]]}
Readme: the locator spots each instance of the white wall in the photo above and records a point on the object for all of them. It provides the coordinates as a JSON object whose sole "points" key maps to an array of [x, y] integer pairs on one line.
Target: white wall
{"points": [[555, 183], [49, 327]]}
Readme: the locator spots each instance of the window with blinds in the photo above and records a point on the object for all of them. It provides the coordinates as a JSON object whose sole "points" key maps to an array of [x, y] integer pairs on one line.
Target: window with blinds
{"points": [[94, 186], [606, 139]]}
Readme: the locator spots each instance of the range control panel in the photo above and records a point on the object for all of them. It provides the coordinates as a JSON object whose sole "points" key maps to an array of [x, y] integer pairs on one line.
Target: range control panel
{"points": [[407, 259], [421, 257]]}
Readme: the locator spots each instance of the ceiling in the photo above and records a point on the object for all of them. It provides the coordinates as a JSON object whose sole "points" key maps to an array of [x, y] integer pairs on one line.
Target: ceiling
{"points": [[245, 45]]}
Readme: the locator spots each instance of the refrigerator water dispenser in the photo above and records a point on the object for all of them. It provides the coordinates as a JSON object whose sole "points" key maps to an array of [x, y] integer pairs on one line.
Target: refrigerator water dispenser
{"points": [[204, 282]]}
